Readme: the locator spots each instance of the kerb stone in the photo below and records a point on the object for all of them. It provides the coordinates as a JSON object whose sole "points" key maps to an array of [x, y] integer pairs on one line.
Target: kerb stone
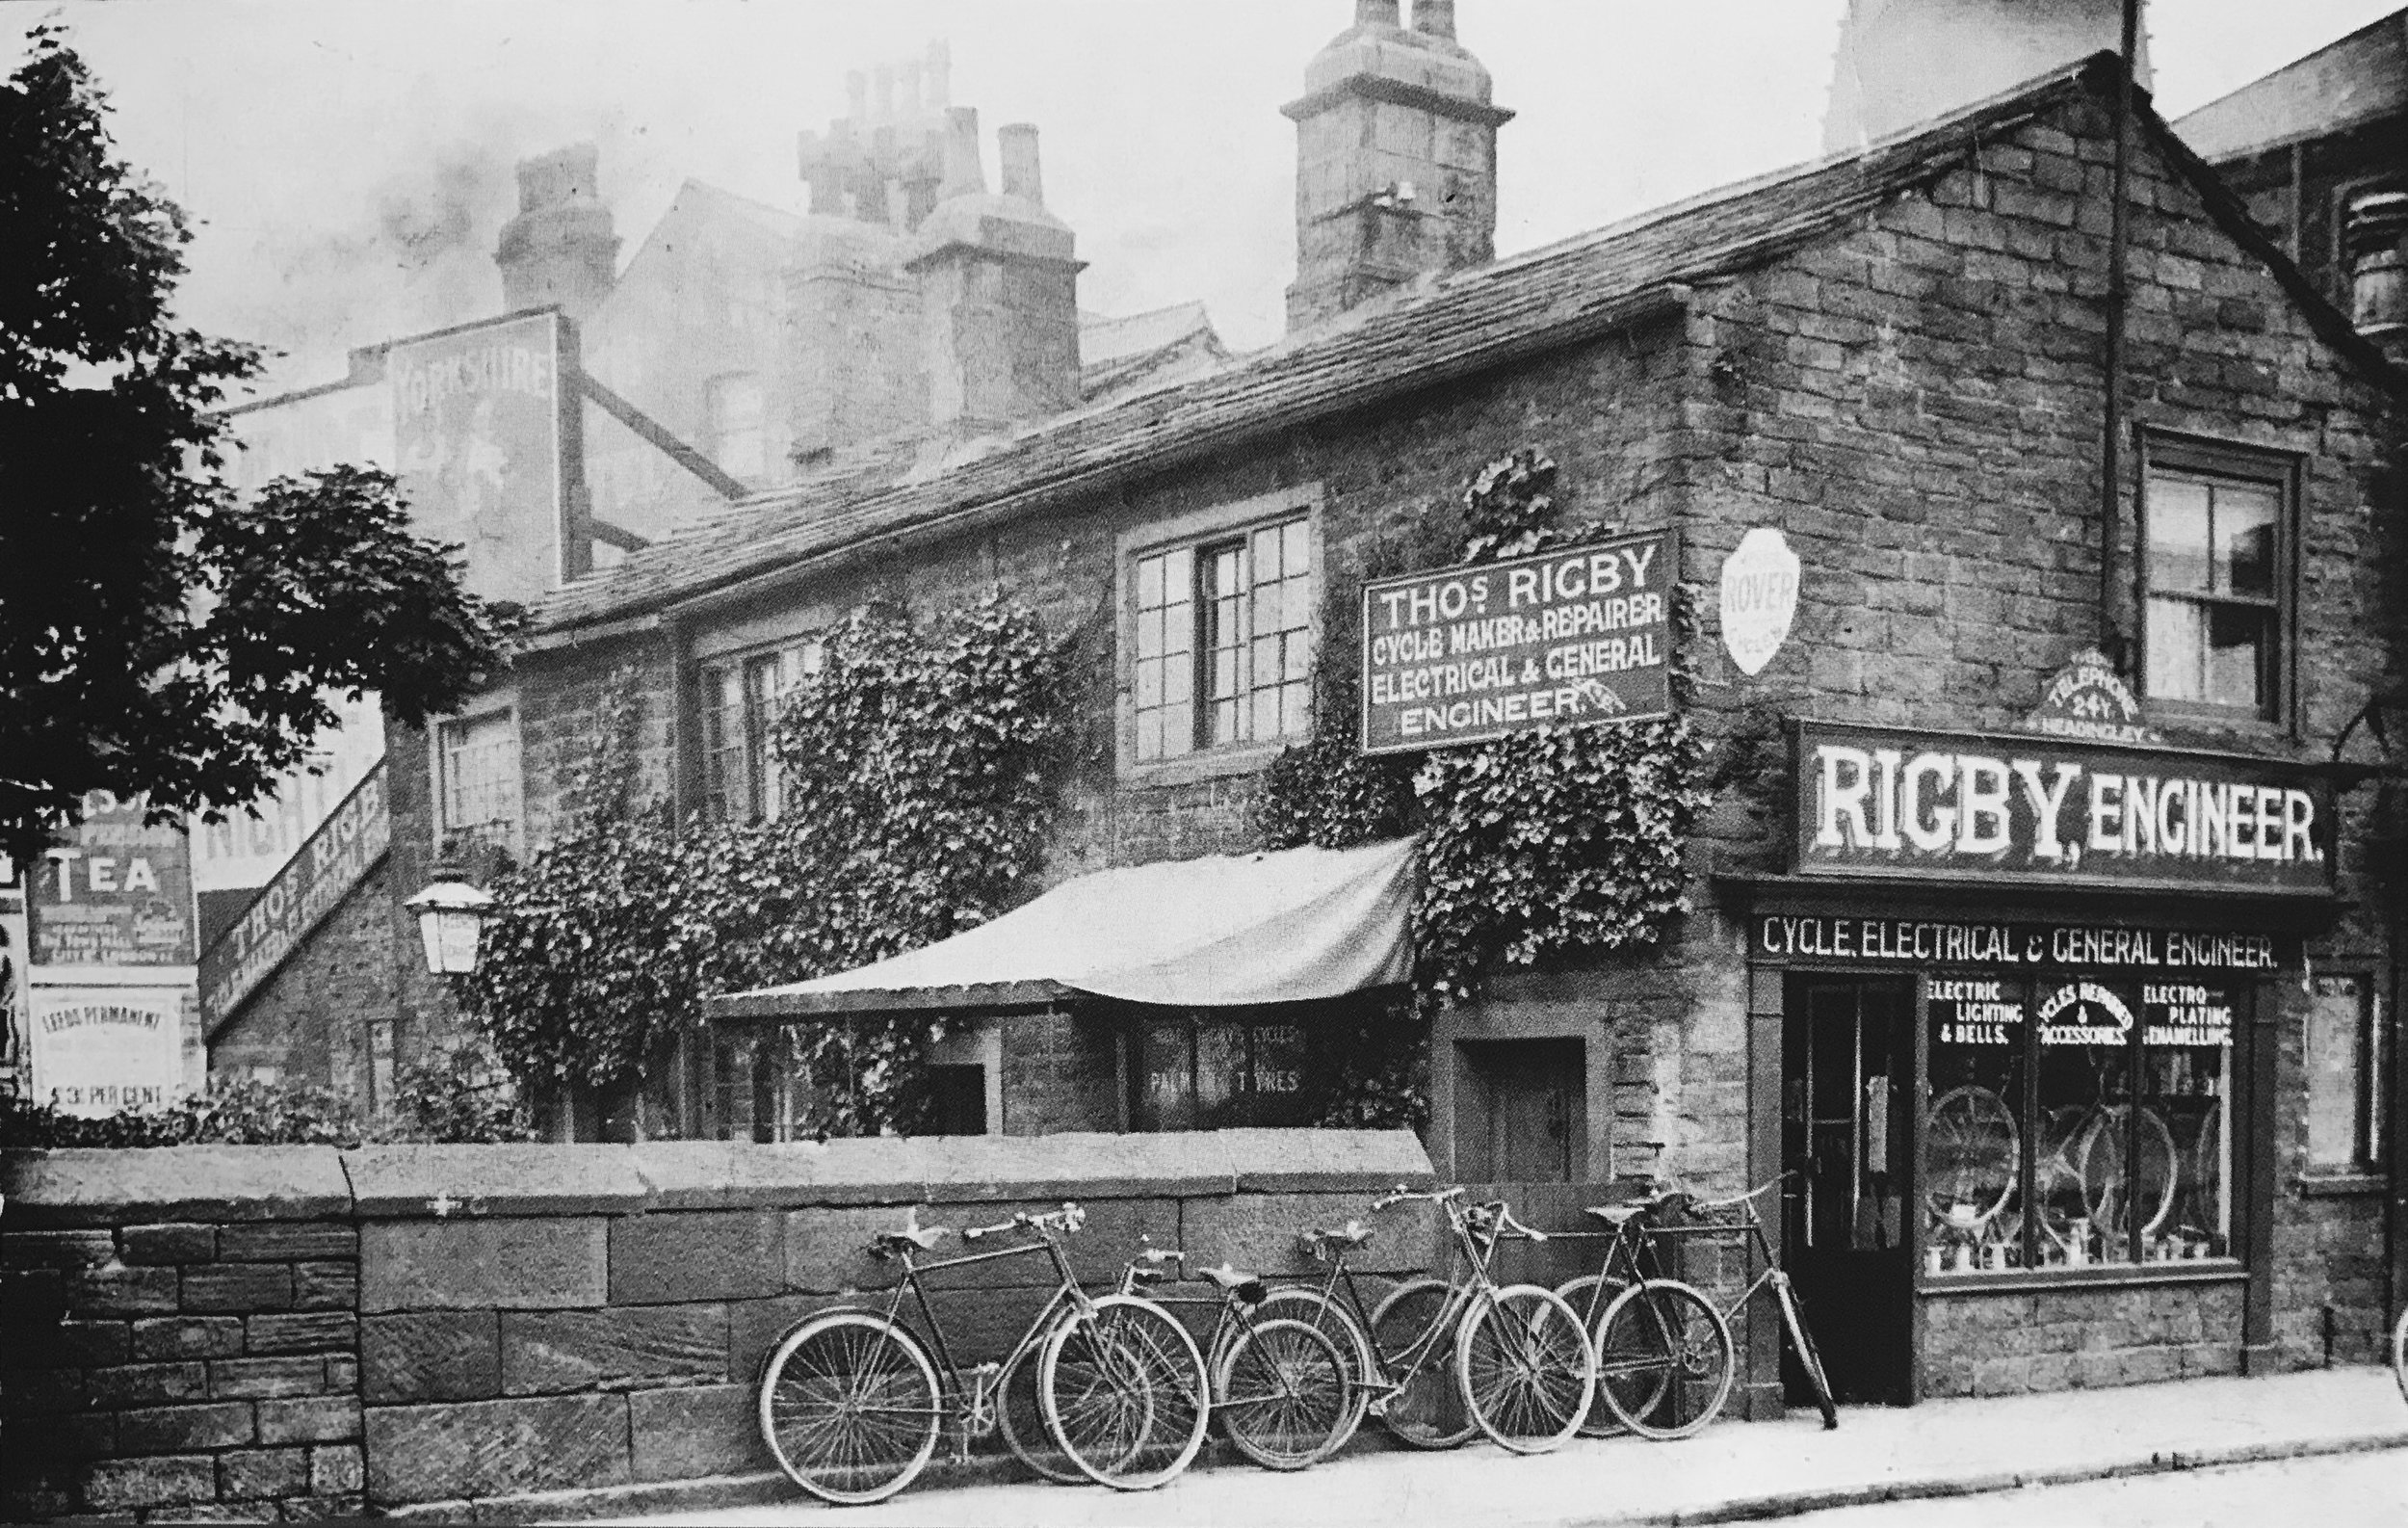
{"points": [[532, 1264]]}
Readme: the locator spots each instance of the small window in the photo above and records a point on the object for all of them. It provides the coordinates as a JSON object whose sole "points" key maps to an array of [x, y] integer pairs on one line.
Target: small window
{"points": [[2346, 1066], [733, 424], [477, 760], [1222, 642], [2216, 561], [741, 701]]}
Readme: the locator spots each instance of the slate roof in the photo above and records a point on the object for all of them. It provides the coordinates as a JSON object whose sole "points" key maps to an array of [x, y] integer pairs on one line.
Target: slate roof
{"points": [[2360, 77], [1436, 330]]}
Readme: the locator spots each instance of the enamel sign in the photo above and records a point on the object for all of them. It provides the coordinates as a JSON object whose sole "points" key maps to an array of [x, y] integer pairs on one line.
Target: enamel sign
{"points": [[1759, 598]]}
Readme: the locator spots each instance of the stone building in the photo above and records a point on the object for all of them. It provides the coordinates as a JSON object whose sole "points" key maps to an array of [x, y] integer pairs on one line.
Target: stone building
{"points": [[2040, 921]]}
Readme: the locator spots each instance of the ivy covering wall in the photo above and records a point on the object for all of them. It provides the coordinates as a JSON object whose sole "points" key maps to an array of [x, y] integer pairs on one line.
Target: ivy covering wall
{"points": [[1533, 847], [924, 752]]}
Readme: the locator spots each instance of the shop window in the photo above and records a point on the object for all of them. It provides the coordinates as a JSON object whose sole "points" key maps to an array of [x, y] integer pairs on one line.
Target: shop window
{"points": [[1221, 643], [1203, 1073], [2216, 562], [741, 701], [2076, 1120], [477, 774], [732, 409], [2345, 1058]]}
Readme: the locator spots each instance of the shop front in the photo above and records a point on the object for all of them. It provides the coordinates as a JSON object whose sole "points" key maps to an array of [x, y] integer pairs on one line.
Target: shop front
{"points": [[2012, 1032]]}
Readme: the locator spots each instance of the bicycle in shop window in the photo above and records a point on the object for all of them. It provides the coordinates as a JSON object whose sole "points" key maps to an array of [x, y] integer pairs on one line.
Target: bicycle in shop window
{"points": [[1441, 1359], [852, 1401], [1665, 1361], [1282, 1387]]}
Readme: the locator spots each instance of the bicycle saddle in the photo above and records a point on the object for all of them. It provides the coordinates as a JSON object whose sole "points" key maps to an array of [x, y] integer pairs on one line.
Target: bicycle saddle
{"points": [[1354, 1234], [1619, 1215], [923, 1238], [1248, 1287]]}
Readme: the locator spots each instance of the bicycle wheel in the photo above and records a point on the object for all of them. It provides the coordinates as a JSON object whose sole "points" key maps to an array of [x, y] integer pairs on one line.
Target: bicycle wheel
{"points": [[1526, 1367], [1793, 1317], [1972, 1155], [1412, 1333], [1663, 1339], [1281, 1394], [1020, 1415], [849, 1406], [1588, 1295], [1334, 1321], [2399, 1355], [1125, 1392]]}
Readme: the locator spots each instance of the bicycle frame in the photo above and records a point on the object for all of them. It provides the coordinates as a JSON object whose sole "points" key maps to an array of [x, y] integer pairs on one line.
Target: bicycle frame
{"points": [[970, 1400], [1471, 1253]]}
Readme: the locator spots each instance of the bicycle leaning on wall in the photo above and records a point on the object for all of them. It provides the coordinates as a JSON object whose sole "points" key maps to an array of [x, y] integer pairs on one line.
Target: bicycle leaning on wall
{"points": [[852, 1405]]}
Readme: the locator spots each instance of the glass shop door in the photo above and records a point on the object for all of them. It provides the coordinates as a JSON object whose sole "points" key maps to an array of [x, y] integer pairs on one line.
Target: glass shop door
{"points": [[1849, 1068]]}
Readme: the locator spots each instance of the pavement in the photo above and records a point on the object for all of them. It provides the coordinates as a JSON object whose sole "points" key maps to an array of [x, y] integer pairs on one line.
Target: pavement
{"points": [[1732, 1472]]}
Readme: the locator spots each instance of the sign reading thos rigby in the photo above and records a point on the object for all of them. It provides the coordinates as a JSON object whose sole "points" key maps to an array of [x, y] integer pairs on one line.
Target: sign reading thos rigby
{"points": [[1759, 598], [478, 420], [2087, 698], [98, 1049], [1879, 801], [1569, 638], [344, 848], [120, 894]]}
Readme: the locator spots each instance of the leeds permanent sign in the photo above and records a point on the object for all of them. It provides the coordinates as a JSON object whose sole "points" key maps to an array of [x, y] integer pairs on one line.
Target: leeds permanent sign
{"points": [[1876, 802], [1574, 637]]}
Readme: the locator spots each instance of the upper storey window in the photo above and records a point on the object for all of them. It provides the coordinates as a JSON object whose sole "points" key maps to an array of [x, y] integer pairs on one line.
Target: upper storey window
{"points": [[1222, 642], [477, 762], [2217, 564], [742, 700]]}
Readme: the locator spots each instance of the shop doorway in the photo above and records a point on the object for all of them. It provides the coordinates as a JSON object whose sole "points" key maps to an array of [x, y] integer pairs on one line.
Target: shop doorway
{"points": [[1849, 1065], [1521, 1111]]}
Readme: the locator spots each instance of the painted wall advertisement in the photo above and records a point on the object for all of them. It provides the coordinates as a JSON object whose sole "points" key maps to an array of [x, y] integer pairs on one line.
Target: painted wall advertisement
{"points": [[118, 894], [1880, 802], [1569, 638], [98, 1049], [477, 439], [343, 850]]}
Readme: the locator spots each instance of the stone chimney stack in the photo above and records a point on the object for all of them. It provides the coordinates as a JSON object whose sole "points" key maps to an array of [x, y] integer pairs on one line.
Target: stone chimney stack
{"points": [[1396, 160], [999, 294], [560, 249], [1904, 62], [2375, 238]]}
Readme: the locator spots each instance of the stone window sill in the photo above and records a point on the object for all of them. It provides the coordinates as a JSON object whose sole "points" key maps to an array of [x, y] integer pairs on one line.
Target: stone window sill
{"points": [[2340, 1185], [2017, 1281]]}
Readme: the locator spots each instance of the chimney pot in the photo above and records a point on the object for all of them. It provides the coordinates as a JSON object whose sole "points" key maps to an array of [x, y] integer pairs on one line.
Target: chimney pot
{"points": [[1378, 12], [1433, 18], [1015, 147]]}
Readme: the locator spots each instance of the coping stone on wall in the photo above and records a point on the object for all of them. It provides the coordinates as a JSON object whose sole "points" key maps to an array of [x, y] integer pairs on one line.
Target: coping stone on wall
{"points": [[1080, 1165], [97, 1186], [1332, 1161], [743, 1174], [450, 1181]]}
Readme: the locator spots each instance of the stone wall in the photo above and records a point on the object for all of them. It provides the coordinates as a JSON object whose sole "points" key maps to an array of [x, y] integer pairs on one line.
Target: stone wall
{"points": [[2007, 1342], [266, 1332]]}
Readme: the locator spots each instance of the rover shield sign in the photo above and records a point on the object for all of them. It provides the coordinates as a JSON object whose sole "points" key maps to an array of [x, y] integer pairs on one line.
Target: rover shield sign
{"points": [[1881, 801], [477, 439], [1759, 598], [1574, 637]]}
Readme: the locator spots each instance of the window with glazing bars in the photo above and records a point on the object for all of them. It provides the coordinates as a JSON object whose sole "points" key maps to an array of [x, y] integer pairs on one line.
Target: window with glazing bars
{"points": [[741, 704], [2217, 561], [480, 778], [1225, 641]]}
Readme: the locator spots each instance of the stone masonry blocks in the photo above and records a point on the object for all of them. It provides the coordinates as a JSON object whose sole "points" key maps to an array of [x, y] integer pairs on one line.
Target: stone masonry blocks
{"points": [[725, 1254], [495, 1448], [612, 1349], [508, 1264], [431, 1355]]}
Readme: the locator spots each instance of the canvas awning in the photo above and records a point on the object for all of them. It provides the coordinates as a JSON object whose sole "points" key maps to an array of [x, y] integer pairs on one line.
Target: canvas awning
{"points": [[1276, 927]]}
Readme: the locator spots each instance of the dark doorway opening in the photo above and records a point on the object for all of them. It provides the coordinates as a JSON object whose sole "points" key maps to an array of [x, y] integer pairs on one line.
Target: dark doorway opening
{"points": [[1522, 1111], [957, 1099], [1849, 1073]]}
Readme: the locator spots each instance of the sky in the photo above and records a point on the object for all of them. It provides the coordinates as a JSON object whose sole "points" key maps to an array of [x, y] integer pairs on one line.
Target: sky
{"points": [[348, 164]]}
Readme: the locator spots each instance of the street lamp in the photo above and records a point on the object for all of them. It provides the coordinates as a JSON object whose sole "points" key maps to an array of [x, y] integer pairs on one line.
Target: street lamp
{"points": [[451, 917]]}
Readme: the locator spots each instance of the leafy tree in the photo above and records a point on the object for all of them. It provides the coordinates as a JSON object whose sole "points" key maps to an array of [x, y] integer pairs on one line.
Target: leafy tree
{"points": [[161, 638]]}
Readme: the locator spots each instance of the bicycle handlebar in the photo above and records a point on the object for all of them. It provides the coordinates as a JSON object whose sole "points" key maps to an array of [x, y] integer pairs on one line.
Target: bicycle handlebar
{"points": [[1069, 1218], [1402, 1195], [1756, 1193]]}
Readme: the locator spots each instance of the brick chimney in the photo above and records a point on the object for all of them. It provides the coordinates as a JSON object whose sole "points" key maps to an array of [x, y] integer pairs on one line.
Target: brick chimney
{"points": [[560, 247], [2375, 238], [1396, 160], [998, 289]]}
